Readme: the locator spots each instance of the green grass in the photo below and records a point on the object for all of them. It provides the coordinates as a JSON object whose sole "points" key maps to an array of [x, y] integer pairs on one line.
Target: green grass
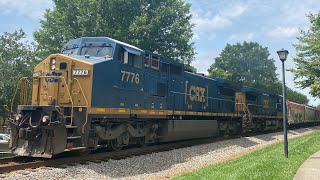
{"points": [[267, 163], [2, 155]]}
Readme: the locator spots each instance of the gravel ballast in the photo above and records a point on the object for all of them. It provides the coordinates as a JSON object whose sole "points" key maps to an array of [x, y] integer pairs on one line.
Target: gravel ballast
{"points": [[160, 165]]}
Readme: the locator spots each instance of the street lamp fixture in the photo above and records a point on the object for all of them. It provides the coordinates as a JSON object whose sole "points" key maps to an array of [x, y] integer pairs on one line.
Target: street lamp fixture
{"points": [[283, 54], [283, 57]]}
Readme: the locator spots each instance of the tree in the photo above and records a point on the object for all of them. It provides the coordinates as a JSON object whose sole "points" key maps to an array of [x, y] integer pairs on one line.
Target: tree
{"points": [[161, 26], [307, 71], [190, 68], [16, 60], [248, 63], [295, 96], [220, 73], [291, 94]]}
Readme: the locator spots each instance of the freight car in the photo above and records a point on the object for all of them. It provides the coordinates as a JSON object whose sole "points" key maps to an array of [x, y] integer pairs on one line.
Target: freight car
{"points": [[102, 92], [301, 114]]}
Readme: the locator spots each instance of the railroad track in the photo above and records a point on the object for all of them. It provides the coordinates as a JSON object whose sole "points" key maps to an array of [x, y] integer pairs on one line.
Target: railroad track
{"points": [[10, 164]]}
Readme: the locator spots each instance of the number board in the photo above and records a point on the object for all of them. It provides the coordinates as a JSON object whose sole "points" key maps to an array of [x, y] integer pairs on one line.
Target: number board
{"points": [[80, 72]]}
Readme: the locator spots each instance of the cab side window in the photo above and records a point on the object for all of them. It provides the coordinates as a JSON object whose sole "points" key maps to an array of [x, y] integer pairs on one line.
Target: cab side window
{"points": [[137, 61], [130, 59]]}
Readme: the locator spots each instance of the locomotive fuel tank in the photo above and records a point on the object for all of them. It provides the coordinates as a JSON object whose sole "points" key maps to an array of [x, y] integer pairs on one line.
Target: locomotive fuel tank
{"points": [[61, 91]]}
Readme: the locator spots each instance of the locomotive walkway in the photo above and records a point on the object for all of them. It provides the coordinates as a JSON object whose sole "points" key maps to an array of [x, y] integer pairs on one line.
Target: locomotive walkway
{"points": [[310, 169]]}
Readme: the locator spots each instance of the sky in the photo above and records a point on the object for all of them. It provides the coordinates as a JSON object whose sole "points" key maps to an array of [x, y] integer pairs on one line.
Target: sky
{"points": [[274, 24]]}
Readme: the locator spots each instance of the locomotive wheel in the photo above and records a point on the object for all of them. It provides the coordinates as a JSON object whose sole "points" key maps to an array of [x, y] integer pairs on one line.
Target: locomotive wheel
{"points": [[115, 145]]}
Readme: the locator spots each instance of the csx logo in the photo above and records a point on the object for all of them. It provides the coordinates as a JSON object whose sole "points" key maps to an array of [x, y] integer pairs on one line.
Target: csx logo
{"points": [[53, 74], [197, 94]]}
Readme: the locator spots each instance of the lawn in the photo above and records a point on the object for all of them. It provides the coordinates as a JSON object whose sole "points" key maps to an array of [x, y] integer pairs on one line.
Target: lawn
{"points": [[267, 163], [3, 155]]}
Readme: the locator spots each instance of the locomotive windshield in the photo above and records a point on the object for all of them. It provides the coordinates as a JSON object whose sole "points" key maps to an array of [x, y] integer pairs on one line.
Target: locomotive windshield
{"points": [[97, 51]]}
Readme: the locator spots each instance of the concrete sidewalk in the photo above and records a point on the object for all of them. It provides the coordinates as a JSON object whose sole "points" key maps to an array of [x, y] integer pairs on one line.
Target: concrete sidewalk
{"points": [[310, 169]]}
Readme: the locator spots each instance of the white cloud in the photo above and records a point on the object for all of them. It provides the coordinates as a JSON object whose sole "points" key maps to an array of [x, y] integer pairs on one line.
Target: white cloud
{"points": [[203, 61], [30, 8], [291, 18], [283, 32], [294, 11], [210, 23], [206, 21], [241, 37], [234, 11]]}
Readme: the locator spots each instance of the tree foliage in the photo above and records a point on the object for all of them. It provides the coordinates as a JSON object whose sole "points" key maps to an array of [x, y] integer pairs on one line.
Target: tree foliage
{"points": [[250, 65], [217, 72], [295, 96], [307, 71], [291, 94], [190, 68], [161, 26], [17, 59]]}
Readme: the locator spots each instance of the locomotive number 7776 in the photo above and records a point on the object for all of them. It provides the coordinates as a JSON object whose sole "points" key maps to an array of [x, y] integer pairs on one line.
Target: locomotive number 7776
{"points": [[130, 77]]}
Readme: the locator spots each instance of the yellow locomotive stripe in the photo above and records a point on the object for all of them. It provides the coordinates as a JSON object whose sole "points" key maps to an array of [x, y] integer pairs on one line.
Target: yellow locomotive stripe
{"points": [[168, 112]]}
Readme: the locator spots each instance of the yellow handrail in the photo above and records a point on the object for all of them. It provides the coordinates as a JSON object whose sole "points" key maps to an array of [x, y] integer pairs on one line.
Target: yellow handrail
{"points": [[65, 82], [244, 108], [85, 99], [15, 93]]}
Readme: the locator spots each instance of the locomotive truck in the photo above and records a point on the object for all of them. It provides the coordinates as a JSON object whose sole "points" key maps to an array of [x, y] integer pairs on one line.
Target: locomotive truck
{"points": [[102, 92]]}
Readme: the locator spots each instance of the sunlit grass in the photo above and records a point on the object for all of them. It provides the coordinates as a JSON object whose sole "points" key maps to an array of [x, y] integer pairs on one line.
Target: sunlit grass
{"points": [[267, 163], [2, 155]]}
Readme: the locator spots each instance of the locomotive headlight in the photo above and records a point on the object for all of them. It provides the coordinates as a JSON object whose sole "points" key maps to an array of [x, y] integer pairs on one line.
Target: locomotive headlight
{"points": [[53, 61], [53, 67], [45, 120], [18, 117]]}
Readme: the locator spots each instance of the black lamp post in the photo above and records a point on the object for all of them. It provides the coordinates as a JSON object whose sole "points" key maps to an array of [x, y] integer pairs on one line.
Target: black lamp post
{"points": [[283, 56]]}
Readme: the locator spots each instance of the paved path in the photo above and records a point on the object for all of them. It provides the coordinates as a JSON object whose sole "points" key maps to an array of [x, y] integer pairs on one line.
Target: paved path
{"points": [[310, 169]]}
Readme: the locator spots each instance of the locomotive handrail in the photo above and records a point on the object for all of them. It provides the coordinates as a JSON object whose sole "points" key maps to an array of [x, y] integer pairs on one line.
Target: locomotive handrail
{"points": [[65, 82], [235, 106], [203, 96], [261, 106], [85, 99], [15, 93], [135, 90], [244, 108]]}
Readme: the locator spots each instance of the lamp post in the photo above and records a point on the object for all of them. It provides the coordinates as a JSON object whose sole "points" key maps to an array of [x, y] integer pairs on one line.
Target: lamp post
{"points": [[283, 56]]}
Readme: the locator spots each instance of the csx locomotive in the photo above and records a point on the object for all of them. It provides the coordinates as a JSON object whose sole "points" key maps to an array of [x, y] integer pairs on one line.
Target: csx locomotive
{"points": [[102, 92]]}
